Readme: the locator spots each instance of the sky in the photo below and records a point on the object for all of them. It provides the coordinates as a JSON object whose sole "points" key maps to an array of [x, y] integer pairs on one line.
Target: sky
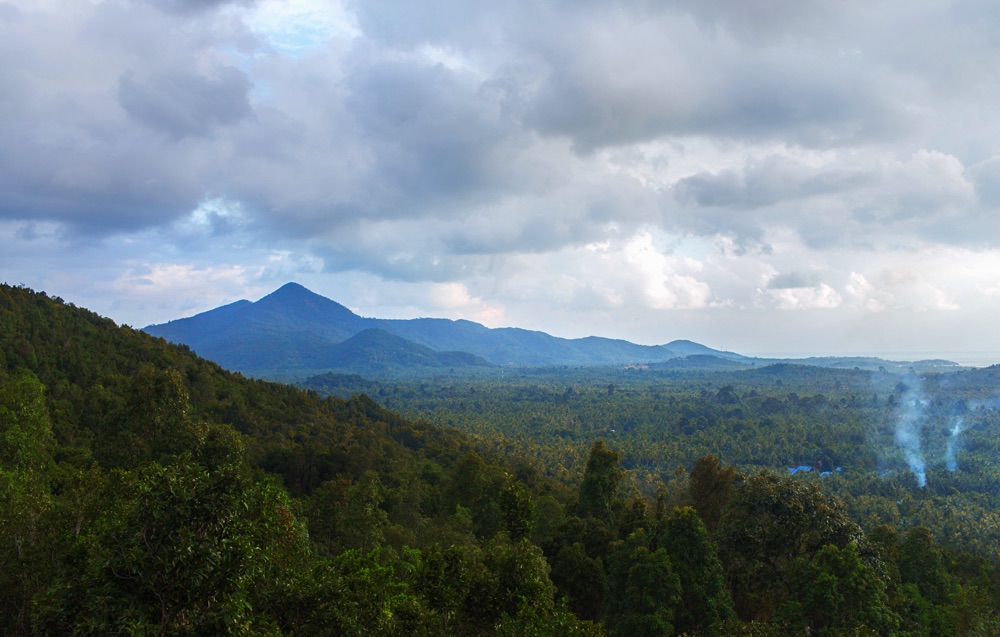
{"points": [[781, 176]]}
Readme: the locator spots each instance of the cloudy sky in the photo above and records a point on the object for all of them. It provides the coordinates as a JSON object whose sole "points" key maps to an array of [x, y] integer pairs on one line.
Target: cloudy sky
{"points": [[776, 176]]}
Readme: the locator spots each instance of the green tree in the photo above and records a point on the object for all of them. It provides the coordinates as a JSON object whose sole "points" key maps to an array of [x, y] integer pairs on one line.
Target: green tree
{"points": [[836, 593], [922, 563], [769, 523], [368, 599], [926, 585], [600, 482], [643, 590], [709, 486], [474, 486], [153, 424], [26, 440], [445, 578], [355, 594], [520, 574], [581, 579], [705, 601], [558, 621], [180, 551], [361, 522], [518, 509], [26, 466]]}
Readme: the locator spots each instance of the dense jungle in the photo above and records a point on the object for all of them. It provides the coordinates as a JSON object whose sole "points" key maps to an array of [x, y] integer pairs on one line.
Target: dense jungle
{"points": [[147, 491]]}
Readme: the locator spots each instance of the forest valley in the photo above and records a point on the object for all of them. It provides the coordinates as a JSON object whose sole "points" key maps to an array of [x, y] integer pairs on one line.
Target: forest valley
{"points": [[147, 491]]}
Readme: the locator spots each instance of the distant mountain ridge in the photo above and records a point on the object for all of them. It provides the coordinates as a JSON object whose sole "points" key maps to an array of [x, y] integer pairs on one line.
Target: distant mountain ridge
{"points": [[296, 332], [294, 329]]}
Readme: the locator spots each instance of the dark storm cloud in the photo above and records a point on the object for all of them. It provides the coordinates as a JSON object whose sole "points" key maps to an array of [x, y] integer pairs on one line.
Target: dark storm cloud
{"points": [[94, 181], [376, 130], [196, 6], [769, 19], [659, 91], [183, 104], [82, 138], [765, 182], [590, 214], [435, 132], [726, 188], [775, 191], [822, 233]]}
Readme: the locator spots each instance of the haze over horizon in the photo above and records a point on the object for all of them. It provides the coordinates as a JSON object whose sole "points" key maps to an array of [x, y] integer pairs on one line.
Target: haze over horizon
{"points": [[795, 177], [300, 295]]}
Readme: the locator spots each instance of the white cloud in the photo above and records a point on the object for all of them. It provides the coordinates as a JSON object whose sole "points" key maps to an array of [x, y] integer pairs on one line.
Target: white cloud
{"points": [[914, 290], [454, 300], [820, 297], [185, 288], [662, 278], [865, 294]]}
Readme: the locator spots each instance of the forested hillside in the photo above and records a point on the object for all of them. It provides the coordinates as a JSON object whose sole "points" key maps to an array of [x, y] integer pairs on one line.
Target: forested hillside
{"points": [[845, 426], [146, 491]]}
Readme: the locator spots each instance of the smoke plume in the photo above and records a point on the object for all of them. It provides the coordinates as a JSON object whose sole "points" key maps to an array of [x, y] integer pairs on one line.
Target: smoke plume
{"points": [[949, 451], [908, 427]]}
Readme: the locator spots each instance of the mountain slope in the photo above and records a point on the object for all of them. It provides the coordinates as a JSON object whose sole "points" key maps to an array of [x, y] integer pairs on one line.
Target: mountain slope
{"points": [[293, 330], [293, 333], [144, 490], [375, 350]]}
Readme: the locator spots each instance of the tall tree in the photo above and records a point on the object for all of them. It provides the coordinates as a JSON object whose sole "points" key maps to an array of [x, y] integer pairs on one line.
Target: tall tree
{"points": [[643, 590], [771, 521], [581, 579], [705, 601], [26, 445], [836, 593], [600, 482], [709, 486], [518, 509]]}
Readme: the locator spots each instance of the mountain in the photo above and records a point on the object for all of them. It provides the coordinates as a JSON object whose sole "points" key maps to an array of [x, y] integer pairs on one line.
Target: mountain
{"points": [[293, 330], [293, 333], [374, 350]]}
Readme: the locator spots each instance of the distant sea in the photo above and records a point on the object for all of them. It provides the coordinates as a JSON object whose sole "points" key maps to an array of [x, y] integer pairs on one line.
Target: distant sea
{"points": [[966, 359]]}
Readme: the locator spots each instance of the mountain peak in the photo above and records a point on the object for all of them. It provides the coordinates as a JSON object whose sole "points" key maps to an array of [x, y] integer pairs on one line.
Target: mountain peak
{"points": [[294, 307], [291, 291], [298, 298], [292, 286]]}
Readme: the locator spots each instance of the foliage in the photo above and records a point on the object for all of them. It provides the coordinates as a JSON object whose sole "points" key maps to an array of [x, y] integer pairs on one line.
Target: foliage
{"points": [[643, 589], [771, 522], [600, 482], [26, 445], [705, 600], [144, 490]]}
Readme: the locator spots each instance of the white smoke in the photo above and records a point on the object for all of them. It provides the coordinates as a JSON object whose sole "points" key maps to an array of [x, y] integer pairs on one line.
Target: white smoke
{"points": [[959, 426], [949, 452], [908, 429]]}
